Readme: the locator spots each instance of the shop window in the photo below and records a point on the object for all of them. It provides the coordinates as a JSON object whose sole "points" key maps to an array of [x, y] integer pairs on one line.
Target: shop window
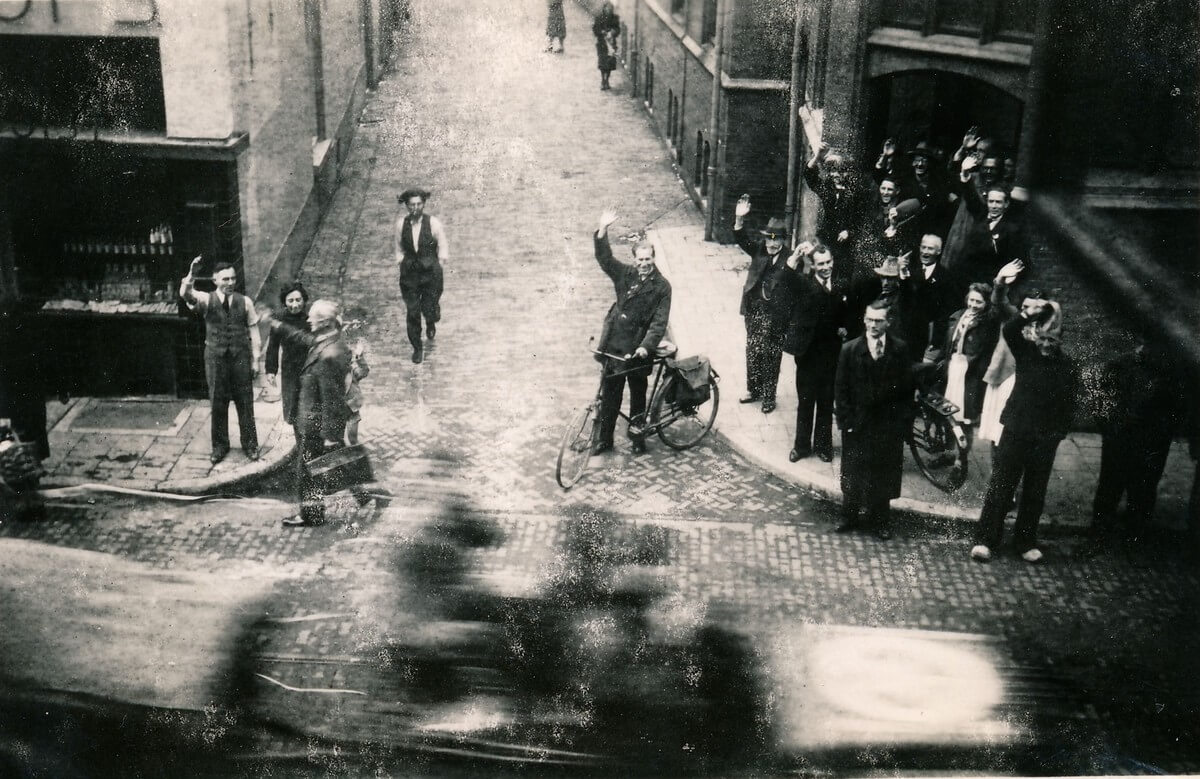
{"points": [[78, 83]]}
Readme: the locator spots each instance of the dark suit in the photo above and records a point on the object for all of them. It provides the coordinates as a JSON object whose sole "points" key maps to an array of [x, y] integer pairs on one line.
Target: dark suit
{"points": [[638, 318], [765, 305], [1036, 418], [321, 414], [874, 400], [933, 300], [983, 249], [847, 209], [812, 339], [936, 206]]}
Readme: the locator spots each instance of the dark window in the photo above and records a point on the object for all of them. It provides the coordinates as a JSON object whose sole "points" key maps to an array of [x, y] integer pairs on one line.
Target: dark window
{"points": [[698, 172], [904, 13], [704, 179], [671, 116], [818, 70], [678, 7], [82, 83], [986, 20], [649, 83], [708, 22], [679, 140]]}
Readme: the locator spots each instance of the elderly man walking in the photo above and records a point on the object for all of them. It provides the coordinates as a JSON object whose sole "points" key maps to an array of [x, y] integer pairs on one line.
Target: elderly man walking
{"points": [[765, 306]]}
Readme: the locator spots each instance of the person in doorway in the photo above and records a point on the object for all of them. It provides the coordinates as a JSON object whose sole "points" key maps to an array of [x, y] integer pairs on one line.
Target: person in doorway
{"points": [[606, 28], [1036, 418], [765, 304], [231, 349], [814, 337], [284, 359], [845, 210], [556, 26], [633, 328], [420, 249], [873, 396]]}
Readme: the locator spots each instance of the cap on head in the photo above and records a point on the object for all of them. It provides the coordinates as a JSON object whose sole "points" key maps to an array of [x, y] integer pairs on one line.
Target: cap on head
{"points": [[412, 192]]}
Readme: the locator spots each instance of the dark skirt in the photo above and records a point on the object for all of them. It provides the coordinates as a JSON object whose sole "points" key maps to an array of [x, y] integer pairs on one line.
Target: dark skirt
{"points": [[556, 21]]}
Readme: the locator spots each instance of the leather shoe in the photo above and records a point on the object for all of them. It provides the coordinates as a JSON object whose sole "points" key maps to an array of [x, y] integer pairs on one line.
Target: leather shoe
{"points": [[749, 397], [768, 406], [218, 455], [846, 527], [600, 447], [251, 453], [418, 355], [797, 454], [430, 332], [825, 457], [883, 532], [638, 446]]}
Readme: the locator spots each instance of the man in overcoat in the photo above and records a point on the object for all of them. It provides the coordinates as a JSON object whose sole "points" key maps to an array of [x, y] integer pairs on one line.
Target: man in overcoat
{"points": [[633, 328], [321, 412], [765, 305], [873, 399], [420, 250], [814, 338]]}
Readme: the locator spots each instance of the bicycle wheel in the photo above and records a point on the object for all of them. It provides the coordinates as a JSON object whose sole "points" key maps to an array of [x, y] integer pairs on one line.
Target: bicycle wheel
{"points": [[576, 447], [939, 446], [683, 425]]}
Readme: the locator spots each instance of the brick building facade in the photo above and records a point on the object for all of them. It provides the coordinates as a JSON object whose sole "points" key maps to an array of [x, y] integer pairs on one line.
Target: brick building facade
{"points": [[1097, 106], [137, 134]]}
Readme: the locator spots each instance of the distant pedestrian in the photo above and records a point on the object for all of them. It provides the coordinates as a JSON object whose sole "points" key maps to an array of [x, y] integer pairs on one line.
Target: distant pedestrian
{"points": [[1141, 405], [814, 338], [873, 399], [1036, 418], [765, 304], [285, 358], [633, 328], [420, 249], [556, 26], [231, 348], [606, 28]]}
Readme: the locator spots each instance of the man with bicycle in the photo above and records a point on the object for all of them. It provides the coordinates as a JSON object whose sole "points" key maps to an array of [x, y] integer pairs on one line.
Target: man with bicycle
{"points": [[633, 327]]}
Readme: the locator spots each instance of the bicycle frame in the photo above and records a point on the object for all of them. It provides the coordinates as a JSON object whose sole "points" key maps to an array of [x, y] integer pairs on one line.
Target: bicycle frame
{"points": [[657, 364]]}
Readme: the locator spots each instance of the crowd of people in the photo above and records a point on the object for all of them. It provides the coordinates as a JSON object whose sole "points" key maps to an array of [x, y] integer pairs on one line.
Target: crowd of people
{"points": [[868, 326]]}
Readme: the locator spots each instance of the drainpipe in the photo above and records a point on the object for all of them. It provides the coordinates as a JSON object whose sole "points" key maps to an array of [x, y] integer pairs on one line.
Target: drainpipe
{"points": [[715, 129], [794, 121], [369, 44]]}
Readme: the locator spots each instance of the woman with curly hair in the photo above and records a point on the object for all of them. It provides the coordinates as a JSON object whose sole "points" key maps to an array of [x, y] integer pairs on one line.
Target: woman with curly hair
{"points": [[295, 299]]}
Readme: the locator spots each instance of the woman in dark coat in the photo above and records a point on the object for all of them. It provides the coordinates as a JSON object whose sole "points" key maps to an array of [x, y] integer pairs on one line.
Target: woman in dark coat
{"points": [[556, 26], [606, 28], [970, 339], [295, 312]]}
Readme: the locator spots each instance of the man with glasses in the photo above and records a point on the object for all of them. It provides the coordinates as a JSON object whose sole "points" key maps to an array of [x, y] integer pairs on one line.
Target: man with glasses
{"points": [[873, 398], [231, 349]]}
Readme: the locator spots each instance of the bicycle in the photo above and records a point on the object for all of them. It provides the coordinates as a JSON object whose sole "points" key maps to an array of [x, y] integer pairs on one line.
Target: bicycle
{"points": [[678, 419], [938, 441]]}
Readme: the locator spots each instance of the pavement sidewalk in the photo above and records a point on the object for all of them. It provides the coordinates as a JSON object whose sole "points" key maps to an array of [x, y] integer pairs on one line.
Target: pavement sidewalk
{"points": [[161, 444], [706, 280]]}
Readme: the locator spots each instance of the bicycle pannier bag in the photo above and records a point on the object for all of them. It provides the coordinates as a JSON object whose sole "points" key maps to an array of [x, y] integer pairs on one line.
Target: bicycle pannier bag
{"points": [[692, 380]]}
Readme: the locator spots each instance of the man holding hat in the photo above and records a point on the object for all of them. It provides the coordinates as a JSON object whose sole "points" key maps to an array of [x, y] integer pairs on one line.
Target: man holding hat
{"points": [[927, 185], [420, 250], [766, 305]]}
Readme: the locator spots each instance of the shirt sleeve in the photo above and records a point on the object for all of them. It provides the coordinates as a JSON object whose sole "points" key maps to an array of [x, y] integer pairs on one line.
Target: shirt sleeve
{"points": [[435, 226]]}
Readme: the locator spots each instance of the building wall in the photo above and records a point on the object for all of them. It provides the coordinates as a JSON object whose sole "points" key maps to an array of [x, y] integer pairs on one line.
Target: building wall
{"points": [[759, 43], [275, 105], [342, 52], [755, 158]]}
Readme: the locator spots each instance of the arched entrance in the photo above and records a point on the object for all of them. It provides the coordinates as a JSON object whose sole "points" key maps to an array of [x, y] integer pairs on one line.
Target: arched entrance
{"points": [[938, 107]]}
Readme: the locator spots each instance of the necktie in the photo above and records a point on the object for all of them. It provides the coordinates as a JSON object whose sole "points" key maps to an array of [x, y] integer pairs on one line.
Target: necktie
{"points": [[878, 350], [225, 303]]}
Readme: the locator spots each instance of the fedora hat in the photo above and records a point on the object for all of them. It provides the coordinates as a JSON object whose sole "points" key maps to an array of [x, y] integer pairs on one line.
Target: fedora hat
{"points": [[889, 268], [923, 149], [776, 228]]}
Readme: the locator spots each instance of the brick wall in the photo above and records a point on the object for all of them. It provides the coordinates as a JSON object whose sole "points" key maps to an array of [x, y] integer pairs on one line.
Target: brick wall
{"points": [[760, 39]]}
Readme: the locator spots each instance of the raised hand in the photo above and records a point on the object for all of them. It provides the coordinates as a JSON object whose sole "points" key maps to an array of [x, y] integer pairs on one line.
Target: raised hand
{"points": [[1010, 271], [195, 266], [969, 164], [743, 206], [889, 147], [971, 139], [607, 217]]}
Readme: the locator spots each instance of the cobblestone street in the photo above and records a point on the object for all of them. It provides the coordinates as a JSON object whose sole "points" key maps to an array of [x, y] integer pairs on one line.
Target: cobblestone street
{"points": [[522, 151]]}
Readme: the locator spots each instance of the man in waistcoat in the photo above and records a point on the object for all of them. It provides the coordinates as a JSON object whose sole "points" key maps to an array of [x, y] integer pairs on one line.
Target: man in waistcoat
{"points": [[231, 348], [420, 249]]}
